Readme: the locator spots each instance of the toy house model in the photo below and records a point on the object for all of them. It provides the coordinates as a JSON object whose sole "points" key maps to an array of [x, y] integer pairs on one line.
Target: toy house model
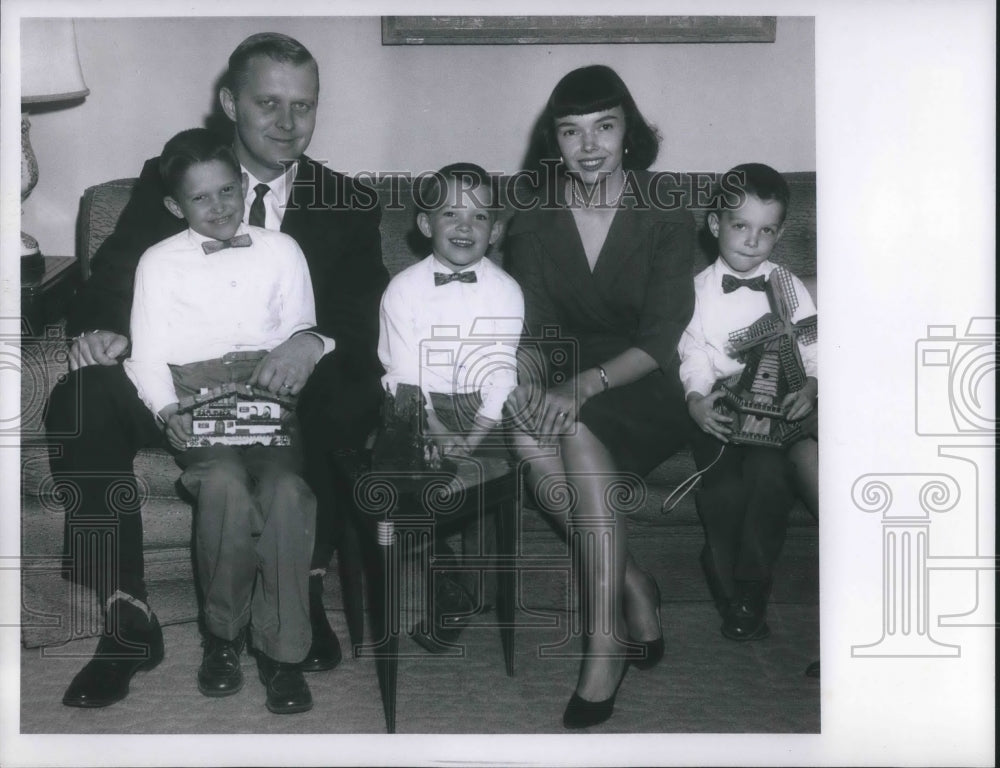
{"points": [[237, 414]]}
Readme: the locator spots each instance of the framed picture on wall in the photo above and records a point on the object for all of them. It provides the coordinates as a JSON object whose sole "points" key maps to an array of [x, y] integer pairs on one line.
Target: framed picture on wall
{"points": [[547, 30]]}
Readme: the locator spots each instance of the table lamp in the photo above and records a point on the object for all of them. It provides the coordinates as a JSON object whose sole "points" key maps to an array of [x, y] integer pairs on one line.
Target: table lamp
{"points": [[50, 74]]}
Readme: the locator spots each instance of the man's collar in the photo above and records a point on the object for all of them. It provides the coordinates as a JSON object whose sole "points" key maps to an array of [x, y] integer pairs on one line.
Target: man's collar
{"points": [[280, 185]]}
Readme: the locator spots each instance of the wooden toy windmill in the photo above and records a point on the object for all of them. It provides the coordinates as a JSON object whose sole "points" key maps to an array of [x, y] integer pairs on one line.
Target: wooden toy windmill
{"points": [[769, 348]]}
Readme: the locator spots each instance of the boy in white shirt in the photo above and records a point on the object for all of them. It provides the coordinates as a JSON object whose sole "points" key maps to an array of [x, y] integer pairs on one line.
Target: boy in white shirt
{"points": [[450, 324], [209, 303], [747, 493]]}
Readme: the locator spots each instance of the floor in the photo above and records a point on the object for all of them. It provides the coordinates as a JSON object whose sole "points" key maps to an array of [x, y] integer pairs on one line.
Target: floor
{"points": [[705, 683]]}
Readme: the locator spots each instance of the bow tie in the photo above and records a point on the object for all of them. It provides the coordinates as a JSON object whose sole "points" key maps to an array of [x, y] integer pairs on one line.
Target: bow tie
{"points": [[443, 278], [730, 283], [237, 241]]}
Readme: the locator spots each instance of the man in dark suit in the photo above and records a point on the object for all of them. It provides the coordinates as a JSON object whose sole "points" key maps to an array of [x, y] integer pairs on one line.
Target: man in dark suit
{"points": [[270, 94]]}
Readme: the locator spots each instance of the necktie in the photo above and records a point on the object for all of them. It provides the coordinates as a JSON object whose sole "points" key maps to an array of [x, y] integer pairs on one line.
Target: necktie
{"points": [[237, 241], [730, 283], [443, 278], [257, 207]]}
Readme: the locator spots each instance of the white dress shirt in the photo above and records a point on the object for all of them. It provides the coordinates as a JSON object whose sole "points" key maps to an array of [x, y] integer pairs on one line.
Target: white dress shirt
{"points": [[457, 338], [275, 202], [702, 348], [190, 306]]}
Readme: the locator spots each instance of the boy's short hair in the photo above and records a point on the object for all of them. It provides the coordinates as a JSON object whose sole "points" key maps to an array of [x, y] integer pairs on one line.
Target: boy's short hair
{"points": [[432, 191], [274, 45], [756, 179], [190, 147]]}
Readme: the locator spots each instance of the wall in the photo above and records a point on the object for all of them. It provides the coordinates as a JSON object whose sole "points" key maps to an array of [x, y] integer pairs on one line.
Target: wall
{"points": [[413, 107]]}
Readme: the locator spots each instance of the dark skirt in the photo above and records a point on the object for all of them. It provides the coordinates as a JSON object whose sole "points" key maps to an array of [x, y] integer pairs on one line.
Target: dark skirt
{"points": [[642, 424]]}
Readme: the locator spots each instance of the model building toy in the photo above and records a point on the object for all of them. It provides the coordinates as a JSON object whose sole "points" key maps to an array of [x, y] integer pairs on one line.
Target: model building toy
{"points": [[769, 348], [237, 414], [401, 445]]}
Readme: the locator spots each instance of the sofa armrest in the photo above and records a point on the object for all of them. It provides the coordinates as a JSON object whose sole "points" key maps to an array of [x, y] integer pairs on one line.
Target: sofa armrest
{"points": [[100, 207]]}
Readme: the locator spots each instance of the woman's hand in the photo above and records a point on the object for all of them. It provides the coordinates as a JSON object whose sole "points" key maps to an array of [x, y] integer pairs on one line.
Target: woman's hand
{"points": [[702, 410], [558, 413], [545, 414], [797, 405]]}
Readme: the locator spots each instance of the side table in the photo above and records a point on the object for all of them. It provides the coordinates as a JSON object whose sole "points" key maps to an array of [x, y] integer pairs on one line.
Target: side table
{"points": [[44, 299], [397, 515]]}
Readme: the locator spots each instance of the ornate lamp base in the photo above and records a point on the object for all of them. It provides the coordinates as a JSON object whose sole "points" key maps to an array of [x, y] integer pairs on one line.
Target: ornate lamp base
{"points": [[32, 263]]}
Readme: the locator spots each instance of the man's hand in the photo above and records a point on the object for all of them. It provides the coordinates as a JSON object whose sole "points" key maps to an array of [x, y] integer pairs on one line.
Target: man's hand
{"points": [[178, 426], [288, 366], [96, 348], [798, 405], [702, 410]]}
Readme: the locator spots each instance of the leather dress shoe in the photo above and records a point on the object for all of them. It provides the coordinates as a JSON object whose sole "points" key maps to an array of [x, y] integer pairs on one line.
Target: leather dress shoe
{"points": [[287, 692], [324, 652], [745, 619], [131, 643], [220, 673]]}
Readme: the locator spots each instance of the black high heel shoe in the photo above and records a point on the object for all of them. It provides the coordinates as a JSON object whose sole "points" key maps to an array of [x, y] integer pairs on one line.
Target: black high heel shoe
{"points": [[581, 713], [653, 648]]}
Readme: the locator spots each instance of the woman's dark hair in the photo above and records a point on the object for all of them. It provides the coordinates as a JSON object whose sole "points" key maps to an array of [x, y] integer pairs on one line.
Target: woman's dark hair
{"points": [[274, 45], [190, 147], [584, 91]]}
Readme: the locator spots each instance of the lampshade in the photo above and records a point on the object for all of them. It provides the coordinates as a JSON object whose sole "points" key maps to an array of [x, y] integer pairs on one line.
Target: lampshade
{"points": [[50, 66]]}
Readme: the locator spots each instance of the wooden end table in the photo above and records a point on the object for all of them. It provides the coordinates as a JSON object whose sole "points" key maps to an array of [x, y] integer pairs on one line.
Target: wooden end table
{"points": [[44, 299]]}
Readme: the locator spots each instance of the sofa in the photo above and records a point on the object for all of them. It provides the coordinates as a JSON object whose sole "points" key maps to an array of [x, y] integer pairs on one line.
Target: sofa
{"points": [[167, 518]]}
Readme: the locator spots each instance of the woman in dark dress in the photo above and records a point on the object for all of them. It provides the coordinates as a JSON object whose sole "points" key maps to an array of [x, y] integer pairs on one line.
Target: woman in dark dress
{"points": [[607, 279]]}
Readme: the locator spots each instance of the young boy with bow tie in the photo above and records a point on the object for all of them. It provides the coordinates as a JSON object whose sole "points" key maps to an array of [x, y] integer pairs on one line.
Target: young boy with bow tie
{"points": [[747, 489], [209, 303], [450, 325]]}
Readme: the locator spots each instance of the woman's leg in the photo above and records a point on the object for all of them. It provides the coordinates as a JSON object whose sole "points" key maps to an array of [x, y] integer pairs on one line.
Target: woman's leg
{"points": [[587, 467]]}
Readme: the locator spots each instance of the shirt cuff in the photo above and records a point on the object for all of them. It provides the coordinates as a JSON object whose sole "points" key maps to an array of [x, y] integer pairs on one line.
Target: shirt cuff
{"points": [[700, 384], [328, 344]]}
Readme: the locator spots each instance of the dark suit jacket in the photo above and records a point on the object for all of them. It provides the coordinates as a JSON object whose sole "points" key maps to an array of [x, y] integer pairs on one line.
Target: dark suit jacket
{"points": [[334, 220], [640, 293]]}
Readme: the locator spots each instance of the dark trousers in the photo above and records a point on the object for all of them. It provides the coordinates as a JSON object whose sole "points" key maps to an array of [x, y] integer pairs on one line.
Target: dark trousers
{"points": [[744, 503], [337, 410], [92, 470]]}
